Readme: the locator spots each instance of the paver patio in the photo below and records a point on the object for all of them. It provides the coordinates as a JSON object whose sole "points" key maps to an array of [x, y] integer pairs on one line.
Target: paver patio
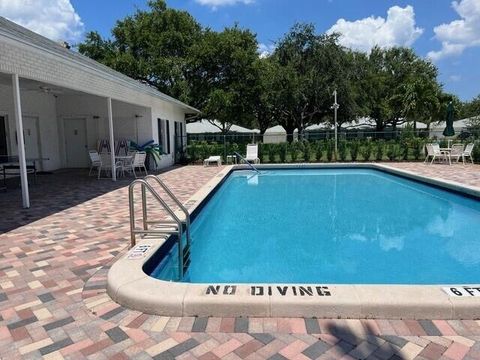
{"points": [[53, 263]]}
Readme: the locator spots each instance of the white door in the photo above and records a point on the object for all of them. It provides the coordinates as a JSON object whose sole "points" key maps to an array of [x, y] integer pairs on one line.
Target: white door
{"points": [[31, 137], [76, 146]]}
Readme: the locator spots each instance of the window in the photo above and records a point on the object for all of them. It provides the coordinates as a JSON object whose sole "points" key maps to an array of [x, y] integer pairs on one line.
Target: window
{"points": [[160, 134], [164, 135], [167, 132]]}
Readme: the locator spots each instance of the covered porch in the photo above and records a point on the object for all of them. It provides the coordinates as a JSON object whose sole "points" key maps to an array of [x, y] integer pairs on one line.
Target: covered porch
{"points": [[60, 125]]}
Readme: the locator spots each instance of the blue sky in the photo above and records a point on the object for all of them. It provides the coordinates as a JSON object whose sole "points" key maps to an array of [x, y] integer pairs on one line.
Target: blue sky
{"points": [[446, 31]]}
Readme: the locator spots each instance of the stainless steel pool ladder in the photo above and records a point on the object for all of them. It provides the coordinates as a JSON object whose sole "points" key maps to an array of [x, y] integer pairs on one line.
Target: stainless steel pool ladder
{"points": [[160, 228], [247, 163]]}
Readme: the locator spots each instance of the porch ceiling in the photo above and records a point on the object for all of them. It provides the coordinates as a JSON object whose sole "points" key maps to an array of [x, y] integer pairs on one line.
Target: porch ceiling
{"points": [[27, 85]]}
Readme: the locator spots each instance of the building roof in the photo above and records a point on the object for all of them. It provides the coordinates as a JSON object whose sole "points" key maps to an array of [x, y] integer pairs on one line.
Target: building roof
{"points": [[205, 127], [18, 33]]}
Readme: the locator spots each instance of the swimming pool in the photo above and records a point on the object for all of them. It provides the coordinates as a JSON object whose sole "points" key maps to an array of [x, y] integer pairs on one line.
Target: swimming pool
{"points": [[331, 226]]}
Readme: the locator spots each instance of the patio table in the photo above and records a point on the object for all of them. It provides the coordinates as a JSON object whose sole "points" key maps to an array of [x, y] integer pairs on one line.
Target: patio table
{"points": [[123, 159]]}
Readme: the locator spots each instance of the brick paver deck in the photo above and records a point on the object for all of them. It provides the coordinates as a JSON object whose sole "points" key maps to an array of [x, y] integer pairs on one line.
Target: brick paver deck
{"points": [[53, 262]]}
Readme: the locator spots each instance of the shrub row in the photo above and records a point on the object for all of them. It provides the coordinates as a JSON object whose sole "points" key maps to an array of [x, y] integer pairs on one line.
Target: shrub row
{"points": [[411, 149]]}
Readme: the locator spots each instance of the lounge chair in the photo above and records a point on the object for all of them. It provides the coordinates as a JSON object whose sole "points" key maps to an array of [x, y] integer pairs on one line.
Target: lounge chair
{"points": [[213, 160], [433, 151], [468, 152], [252, 154]]}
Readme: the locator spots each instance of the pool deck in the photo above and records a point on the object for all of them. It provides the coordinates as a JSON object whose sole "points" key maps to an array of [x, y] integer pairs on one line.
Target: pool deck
{"points": [[55, 256]]}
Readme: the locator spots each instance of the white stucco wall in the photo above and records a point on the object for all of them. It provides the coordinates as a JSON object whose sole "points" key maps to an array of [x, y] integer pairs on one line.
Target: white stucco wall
{"points": [[37, 105]]}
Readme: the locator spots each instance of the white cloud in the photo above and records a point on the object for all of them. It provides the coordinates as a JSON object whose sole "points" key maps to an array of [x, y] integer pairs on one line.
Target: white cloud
{"points": [[265, 50], [214, 4], [458, 35], [398, 29], [55, 19]]}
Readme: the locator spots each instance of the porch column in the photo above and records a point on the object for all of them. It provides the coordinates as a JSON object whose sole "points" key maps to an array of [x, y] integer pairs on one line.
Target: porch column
{"points": [[112, 139], [20, 140]]}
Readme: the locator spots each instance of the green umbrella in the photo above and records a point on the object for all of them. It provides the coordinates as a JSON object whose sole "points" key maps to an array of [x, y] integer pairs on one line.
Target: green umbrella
{"points": [[449, 130]]}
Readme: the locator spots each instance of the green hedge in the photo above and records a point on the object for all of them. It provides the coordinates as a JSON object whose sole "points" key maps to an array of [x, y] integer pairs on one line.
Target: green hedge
{"points": [[411, 149]]}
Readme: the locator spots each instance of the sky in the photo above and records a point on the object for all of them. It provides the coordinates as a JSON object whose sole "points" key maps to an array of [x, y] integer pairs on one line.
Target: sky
{"points": [[446, 32]]}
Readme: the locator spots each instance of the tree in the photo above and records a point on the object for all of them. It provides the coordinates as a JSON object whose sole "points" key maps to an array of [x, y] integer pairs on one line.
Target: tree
{"points": [[151, 46], [223, 77], [311, 67], [401, 87], [265, 111]]}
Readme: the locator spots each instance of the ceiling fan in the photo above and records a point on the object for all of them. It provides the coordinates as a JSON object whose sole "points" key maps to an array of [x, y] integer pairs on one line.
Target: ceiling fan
{"points": [[50, 90]]}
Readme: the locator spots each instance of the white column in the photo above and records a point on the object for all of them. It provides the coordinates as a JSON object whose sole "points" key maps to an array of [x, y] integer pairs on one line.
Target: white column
{"points": [[20, 141], [112, 139]]}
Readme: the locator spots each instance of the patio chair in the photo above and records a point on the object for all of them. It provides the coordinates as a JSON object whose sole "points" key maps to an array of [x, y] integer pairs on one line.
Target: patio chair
{"points": [[137, 162], [456, 151], [213, 160], [106, 165], [252, 154], [433, 151], [468, 152], [95, 162]]}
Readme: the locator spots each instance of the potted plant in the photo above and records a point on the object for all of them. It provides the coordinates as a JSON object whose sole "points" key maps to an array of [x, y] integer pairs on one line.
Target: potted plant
{"points": [[153, 151]]}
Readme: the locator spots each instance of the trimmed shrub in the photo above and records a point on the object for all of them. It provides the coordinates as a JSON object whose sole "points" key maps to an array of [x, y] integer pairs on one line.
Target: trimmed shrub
{"points": [[392, 151], [404, 149], [354, 149], [272, 153], [294, 151], [367, 151], [417, 145], [330, 149], [342, 150], [307, 151], [319, 151], [379, 150], [283, 152]]}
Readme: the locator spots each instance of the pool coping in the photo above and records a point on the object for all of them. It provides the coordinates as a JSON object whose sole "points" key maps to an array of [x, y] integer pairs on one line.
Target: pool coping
{"points": [[130, 286]]}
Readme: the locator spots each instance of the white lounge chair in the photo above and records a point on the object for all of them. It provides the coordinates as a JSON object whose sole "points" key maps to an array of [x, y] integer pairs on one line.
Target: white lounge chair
{"points": [[468, 152], [213, 160], [138, 162], [252, 154], [433, 151]]}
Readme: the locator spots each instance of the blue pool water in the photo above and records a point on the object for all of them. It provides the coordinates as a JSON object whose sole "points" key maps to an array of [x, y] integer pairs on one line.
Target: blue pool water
{"points": [[332, 226]]}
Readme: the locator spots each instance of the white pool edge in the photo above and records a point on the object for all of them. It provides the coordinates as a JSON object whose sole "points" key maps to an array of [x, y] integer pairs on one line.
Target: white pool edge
{"points": [[128, 285]]}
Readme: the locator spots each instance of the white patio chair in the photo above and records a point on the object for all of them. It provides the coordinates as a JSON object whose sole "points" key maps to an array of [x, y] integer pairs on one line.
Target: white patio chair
{"points": [[468, 152], [95, 162], [456, 151], [433, 151], [106, 165], [252, 154], [213, 160], [137, 162]]}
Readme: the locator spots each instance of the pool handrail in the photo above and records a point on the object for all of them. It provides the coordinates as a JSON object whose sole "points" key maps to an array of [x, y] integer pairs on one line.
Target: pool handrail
{"points": [[145, 231], [175, 200], [247, 162]]}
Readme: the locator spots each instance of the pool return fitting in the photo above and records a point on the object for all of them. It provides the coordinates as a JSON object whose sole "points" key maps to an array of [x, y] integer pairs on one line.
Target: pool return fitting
{"points": [[160, 228]]}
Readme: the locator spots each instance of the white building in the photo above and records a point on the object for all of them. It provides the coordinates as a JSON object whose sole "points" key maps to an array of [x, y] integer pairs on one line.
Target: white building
{"points": [[65, 103]]}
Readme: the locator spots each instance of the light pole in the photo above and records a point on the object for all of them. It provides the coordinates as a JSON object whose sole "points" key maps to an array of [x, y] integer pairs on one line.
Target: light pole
{"points": [[335, 107]]}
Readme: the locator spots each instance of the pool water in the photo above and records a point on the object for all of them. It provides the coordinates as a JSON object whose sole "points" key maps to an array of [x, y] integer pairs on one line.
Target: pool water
{"points": [[332, 226]]}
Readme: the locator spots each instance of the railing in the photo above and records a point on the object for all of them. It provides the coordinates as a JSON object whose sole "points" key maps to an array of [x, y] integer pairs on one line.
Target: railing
{"points": [[247, 162], [162, 227]]}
